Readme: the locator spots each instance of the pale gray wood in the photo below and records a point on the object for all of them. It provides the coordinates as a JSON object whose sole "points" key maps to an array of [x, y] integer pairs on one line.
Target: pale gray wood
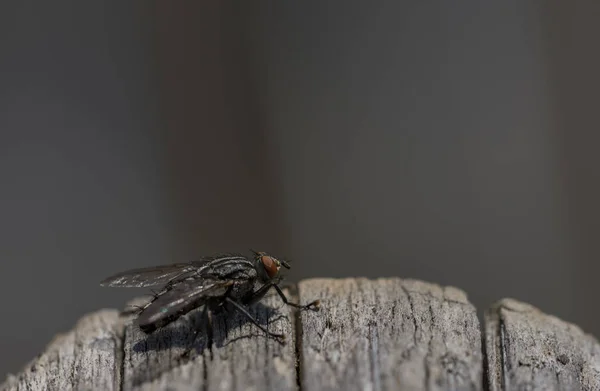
{"points": [[237, 357], [86, 358], [385, 334], [106, 351], [529, 350], [388, 334]]}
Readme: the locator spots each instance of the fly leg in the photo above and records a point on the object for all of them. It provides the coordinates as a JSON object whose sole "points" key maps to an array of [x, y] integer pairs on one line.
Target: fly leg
{"points": [[245, 312], [262, 291], [206, 321]]}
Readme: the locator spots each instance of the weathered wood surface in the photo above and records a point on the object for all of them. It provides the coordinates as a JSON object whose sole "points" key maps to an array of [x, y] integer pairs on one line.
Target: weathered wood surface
{"points": [[389, 334], [386, 334], [529, 350], [237, 356], [86, 358]]}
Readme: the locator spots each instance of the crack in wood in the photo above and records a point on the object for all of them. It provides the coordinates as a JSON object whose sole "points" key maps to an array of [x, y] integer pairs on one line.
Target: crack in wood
{"points": [[298, 344], [485, 375], [429, 348], [414, 319], [503, 357], [120, 358]]}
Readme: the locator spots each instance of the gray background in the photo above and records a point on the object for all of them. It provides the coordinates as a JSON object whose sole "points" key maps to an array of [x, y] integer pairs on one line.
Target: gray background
{"points": [[453, 142]]}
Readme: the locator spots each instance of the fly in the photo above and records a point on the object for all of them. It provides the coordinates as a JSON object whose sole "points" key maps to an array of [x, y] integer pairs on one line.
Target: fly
{"points": [[211, 282]]}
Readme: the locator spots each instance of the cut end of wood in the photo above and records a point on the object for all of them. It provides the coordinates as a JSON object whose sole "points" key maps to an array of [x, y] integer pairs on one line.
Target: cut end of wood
{"points": [[388, 333], [92, 345], [528, 349], [385, 333]]}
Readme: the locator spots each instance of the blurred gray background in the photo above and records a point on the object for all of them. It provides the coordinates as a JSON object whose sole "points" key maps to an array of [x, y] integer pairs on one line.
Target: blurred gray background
{"points": [[453, 142]]}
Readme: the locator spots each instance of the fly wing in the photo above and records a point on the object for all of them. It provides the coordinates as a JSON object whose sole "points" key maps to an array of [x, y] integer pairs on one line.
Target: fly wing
{"points": [[149, 276], [211, 266], [182, 298]]}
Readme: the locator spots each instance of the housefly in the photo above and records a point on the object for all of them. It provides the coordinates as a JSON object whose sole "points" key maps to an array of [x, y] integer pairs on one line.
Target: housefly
{"points": [[212, 282]]}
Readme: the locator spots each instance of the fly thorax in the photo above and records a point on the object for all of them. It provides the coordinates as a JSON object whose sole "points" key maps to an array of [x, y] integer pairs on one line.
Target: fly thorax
{"points": [[241, 288]]}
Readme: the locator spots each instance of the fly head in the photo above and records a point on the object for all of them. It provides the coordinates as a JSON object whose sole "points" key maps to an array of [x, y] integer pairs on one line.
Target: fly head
{"points": [[268, 266]]}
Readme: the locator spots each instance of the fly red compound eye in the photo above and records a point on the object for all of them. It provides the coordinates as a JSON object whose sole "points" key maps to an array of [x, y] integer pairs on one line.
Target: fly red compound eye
{"points": [[271, 265]]}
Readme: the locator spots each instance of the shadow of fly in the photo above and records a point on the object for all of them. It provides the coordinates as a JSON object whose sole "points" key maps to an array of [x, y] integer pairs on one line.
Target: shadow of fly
{"points": [[211, 282]]}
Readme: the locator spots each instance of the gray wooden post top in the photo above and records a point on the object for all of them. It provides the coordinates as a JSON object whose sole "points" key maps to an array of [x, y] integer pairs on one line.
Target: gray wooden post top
{"points": [[384, 334]]}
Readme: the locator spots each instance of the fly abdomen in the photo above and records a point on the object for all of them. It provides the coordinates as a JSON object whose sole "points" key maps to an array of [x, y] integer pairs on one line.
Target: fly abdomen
{"points": [[150, 326], [155, 318], [179, 300]]}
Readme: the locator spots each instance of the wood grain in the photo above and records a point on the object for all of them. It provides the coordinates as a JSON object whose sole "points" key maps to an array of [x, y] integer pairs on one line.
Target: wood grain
{"points": [[385, 334], [389, 334], [86, 358], [529, 350], [237, 356]]}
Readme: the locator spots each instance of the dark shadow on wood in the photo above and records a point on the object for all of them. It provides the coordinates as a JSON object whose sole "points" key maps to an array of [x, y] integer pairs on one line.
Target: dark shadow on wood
{"points": [[181, 334], [206, 343]]}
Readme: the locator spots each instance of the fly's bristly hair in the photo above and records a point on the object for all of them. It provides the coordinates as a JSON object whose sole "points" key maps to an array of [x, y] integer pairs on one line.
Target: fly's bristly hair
{"points": [[211, 281]]}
